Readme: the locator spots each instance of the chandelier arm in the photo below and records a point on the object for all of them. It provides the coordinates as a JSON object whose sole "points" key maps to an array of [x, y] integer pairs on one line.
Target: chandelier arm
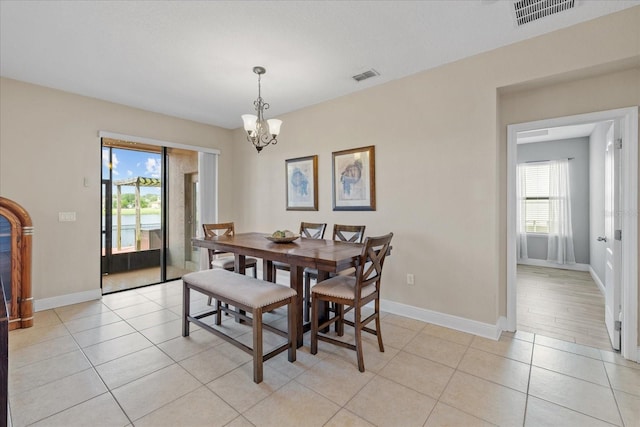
{"points": [[261, 141]]}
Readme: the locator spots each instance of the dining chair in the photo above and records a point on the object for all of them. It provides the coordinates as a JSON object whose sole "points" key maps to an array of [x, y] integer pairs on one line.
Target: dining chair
{"points": [[352, 293], [308, 230], [225, 260], [342, 233]]}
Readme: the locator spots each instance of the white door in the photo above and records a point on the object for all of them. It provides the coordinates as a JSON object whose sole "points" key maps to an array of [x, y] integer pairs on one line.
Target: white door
{"points": [[612, 236]]}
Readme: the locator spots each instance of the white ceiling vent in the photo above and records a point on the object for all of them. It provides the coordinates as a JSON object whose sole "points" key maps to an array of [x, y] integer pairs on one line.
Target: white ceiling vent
{"points": [[531, 10], [367, 74]]}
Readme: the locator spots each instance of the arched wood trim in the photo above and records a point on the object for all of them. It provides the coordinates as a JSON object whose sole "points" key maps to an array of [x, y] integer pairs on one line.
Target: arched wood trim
{"points": [[21, 312]]}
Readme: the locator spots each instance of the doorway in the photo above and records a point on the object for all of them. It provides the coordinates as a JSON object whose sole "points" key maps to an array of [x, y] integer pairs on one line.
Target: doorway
{"points": [[132, 215], [628, 288], [146, 202]]}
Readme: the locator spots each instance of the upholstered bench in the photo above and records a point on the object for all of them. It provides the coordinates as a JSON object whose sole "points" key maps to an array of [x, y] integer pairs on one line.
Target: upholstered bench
{"points": [[245, 294]]}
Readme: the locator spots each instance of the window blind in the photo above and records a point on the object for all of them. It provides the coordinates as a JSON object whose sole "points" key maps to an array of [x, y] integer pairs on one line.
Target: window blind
{"points": [[537, 197]]}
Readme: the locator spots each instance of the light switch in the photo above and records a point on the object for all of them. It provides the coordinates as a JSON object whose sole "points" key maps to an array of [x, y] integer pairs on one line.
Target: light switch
{"points": [[66, 216]]}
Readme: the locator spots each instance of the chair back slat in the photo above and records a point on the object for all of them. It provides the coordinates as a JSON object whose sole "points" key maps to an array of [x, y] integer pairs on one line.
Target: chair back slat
{"points": [[217, 230], [348, 233], [312, 230]]}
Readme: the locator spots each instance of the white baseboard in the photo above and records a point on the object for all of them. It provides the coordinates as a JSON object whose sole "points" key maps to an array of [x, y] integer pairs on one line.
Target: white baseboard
{"points": [[474, 327], [68, 299], [545, 263], [596, 279]]}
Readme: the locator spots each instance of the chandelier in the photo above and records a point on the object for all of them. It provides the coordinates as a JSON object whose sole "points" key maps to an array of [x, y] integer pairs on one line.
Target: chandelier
{"points": [[261, 132]]}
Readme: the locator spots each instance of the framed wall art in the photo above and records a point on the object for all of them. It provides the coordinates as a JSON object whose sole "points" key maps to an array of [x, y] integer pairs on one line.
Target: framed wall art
{"points": [[354, 177], [302, 183]]}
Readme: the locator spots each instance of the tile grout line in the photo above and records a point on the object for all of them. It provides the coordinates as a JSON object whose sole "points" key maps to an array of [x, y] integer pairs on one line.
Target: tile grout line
{"points": [[202, 384], [526, 402], [98, 374], [455, 370], [174, 362], [91, 367], [613, 393], [376, 374], [572, 409], [94, 367]]}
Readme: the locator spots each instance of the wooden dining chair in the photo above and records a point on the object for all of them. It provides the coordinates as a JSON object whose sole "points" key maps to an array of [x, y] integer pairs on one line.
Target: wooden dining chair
{"points": [[308, 230], [225, 260], [352, 293], [342, 233]]}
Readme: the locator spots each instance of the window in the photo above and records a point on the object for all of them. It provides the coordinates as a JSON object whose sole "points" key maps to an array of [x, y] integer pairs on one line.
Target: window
{"points": [[536, 197]]}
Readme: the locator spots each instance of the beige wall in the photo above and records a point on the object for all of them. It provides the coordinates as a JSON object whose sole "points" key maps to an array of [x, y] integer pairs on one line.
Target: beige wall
{"points": [[440, 140], [440, 163], [48, 144]]}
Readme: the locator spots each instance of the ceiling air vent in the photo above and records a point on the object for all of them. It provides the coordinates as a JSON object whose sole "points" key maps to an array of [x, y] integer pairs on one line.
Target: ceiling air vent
{"points": [[367, 74], [531, 10]]}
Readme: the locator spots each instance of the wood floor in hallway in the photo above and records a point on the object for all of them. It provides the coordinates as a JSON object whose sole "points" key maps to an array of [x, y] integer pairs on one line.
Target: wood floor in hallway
{"points": [[562, 304]]}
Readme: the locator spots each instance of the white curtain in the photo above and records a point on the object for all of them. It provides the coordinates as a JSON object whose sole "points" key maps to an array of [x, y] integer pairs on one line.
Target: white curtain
{"points": [[560, 243], [521, 191], [207, 200]]}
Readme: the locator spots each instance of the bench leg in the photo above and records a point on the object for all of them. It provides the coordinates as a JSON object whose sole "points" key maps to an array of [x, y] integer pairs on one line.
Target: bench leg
{"points": [[186, 302], [218, 312], [257, 345]]}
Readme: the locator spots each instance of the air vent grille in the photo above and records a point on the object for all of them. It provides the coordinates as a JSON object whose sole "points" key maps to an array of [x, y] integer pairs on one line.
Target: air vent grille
{"points": [[366, 75], [531, 10]]}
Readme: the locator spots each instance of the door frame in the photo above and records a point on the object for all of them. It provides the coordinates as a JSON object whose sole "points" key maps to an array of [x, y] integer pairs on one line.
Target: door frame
{"points": [[212, 177], [629, 216], [612, 250]]}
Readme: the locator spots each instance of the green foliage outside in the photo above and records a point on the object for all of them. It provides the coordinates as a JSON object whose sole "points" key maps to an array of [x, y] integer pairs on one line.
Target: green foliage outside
{"points": [[143, 211], [149, 204], [128, 201]]}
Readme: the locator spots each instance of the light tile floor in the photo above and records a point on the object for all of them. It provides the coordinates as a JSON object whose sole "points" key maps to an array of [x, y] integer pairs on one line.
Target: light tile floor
{"points": [[122, 361]]}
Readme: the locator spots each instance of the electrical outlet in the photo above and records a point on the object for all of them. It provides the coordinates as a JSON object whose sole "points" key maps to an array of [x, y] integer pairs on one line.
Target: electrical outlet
{"points": [[410, 279]]}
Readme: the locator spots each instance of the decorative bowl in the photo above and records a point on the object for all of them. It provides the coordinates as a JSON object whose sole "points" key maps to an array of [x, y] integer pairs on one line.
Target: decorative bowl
{"points": [[282, 239]]}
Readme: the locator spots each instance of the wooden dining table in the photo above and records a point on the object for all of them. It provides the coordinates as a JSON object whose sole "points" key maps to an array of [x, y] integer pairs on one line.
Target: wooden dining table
{"points": [[327, 256]]}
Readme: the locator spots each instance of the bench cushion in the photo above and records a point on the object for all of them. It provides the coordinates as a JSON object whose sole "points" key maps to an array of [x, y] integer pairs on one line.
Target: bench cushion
{"points": [[243, 289]]}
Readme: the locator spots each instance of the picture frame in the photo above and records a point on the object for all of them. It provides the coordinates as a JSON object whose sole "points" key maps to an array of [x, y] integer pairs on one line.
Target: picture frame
{"points": [[354, 179], [302, 183]]}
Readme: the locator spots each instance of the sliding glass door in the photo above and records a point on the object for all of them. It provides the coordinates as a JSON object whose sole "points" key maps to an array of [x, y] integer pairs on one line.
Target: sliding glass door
{"points": [[151, 198], [182, 219], [132, 215]]}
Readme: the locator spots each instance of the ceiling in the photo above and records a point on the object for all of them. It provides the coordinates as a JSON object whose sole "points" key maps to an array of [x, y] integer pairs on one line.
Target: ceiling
{"points": [[194, 59]]}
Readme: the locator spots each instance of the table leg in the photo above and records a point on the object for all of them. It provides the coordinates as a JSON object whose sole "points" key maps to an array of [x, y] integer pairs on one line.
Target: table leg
{"points": [[267, 271], [297, 284], [239, 263]]}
